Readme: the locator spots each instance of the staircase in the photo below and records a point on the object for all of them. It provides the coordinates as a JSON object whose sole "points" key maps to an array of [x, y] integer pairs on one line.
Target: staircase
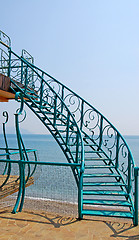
{"points": [[107, 177]]}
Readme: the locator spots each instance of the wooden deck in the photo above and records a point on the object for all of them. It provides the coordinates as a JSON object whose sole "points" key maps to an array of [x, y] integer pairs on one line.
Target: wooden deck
{"points": [[12, 185], [6, 96]]}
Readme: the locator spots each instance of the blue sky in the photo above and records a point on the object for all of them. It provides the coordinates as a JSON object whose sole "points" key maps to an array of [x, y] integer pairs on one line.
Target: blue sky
{"points": [[91, 46]]}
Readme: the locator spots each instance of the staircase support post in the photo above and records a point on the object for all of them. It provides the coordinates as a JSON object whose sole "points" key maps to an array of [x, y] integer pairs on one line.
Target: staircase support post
{"points": [[129, 174], [77, 147], [21, 177], [80, 194], [136, 170]]}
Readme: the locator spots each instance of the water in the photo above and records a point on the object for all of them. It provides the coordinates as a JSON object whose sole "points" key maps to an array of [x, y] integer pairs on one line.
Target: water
{"points": [[53, 182]]}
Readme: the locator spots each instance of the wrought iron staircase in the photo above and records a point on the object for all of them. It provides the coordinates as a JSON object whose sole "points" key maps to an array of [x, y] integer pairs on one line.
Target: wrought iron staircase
{"points": [[107, 176]]}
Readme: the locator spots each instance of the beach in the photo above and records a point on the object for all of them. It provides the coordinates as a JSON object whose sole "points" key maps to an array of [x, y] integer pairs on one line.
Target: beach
{"points": [[34, 225]]}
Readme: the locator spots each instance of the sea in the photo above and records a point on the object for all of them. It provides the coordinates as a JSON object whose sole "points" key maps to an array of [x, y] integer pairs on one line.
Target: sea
{"points": [[54, 182]]}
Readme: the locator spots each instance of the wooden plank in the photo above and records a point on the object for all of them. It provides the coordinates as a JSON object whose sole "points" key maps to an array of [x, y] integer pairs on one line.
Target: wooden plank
{"points": [[4, 82], [2, 99], [12, 185], [5, 96]]}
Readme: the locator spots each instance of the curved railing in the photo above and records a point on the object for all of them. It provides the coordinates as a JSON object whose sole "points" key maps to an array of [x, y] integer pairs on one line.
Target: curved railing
{"points": [[99, 130], [40, 97], [20, 174], [92, 123], [42, 93], [82, 119]]}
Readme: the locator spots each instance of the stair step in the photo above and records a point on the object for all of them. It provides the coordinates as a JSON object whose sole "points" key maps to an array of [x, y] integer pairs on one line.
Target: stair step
{"points": [[93, 184], [105, 192], [31, 96], [60, 125], [107, 202], [122, 214], [45, 112], [98, 166], [92, 151], [101, 175], [95, 151], [97, 159], [42, 107], [90, 145]]}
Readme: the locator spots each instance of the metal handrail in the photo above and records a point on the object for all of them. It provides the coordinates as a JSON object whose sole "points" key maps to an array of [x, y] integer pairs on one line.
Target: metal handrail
{"points": [[104, 125], [65, 106], [67, 88], [42, 81]]}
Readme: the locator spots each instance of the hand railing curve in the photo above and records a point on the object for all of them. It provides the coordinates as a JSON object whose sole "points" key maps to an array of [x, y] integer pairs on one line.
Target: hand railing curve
{"points": [[23, 71], [90, 121], [99, 129]]}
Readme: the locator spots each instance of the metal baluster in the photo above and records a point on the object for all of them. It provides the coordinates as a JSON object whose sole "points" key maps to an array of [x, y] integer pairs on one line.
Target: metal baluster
{"points": [[9, 63], [129, 173], [136, 172], [82, 108], [55, 110], [26, 78], [101, 132], [21, 71], [67, 132], [62, 96], [117, 152], [41, 91], [77, 146]]}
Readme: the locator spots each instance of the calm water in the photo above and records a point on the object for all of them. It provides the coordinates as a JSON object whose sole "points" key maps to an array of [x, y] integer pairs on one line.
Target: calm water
{"points": [[51, 182], [48, 149]]}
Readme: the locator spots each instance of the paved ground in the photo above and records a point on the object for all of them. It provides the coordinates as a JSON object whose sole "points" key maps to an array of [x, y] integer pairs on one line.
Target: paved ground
{"points": [[44, 226]]}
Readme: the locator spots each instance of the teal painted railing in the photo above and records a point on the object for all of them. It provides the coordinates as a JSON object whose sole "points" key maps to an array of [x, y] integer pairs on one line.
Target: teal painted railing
{"points": [[74, 124], [20, 68], [6, 157]]}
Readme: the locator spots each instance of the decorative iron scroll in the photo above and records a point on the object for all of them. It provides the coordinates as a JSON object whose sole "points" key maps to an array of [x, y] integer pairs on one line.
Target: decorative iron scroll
{"points": [[4, 62], [72, 118], [26, 55], [91, 122], [5, 39]]}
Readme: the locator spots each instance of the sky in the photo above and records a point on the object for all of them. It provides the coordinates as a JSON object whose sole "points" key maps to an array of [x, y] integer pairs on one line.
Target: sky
{"points": [[90, 46]]}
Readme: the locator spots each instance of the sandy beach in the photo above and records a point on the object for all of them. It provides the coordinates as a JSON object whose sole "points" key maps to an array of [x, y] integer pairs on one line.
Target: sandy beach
{"points": [[51, 206], [35, 224]]}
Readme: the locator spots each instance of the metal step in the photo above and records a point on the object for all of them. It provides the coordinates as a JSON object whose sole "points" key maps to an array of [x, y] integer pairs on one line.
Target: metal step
{"points": [[98, 166], [95, 151], [45, 112], [105, 192], [93, 184], [119, 203], [92, 151], [90, 145], [101, 175], [97, 159], [105, 213]]}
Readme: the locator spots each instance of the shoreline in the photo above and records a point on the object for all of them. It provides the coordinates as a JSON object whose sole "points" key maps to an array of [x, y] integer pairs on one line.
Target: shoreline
{"points": [[47, 205]]}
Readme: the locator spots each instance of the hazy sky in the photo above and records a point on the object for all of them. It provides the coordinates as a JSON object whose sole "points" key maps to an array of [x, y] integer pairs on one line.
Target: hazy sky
{"points": [[91, 46]]}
